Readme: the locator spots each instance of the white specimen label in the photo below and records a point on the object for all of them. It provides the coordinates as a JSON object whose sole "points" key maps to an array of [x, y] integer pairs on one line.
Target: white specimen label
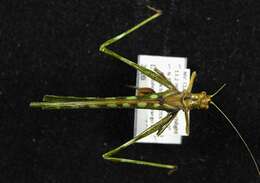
{"points": [[174, 68]]}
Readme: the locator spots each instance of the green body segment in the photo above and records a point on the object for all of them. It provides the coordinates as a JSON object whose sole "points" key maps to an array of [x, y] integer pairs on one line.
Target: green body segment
{"points": [[150, 101]]}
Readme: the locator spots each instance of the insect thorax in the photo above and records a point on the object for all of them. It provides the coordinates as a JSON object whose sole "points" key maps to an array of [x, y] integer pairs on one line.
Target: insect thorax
{"points": [[185, 100]]}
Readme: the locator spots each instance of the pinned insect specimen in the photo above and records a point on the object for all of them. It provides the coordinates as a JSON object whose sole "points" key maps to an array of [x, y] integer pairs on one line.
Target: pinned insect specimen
{"points": [[170, 101]]}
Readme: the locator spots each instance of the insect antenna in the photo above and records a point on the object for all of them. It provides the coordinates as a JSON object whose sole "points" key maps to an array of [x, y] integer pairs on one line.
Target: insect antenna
{"points": [[238, 133], [218, 91]]}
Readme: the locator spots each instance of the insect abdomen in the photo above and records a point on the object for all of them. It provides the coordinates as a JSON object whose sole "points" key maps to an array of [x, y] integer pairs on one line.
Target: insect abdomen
{"points": [[141, 102]]}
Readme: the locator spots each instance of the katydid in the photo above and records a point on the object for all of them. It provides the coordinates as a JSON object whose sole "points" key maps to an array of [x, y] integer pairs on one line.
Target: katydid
{"points": [[170, 101]]}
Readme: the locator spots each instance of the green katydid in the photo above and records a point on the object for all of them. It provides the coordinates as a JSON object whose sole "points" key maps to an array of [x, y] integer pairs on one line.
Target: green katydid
{"points": [[170, 101]]}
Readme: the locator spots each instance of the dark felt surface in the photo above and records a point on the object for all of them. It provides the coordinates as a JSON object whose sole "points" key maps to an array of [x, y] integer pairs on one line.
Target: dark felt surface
{"points": [[51, 47]]}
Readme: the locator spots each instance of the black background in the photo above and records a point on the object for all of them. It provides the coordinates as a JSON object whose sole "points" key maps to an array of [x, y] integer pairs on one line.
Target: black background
{"points": [[51, 47]]}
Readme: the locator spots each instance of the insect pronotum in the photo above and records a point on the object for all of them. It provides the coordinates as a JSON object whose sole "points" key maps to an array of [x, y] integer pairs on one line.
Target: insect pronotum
{"points": [[170, 101]]}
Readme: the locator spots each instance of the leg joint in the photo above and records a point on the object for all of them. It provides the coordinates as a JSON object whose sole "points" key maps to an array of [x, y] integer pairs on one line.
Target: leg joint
{"points": [[106, 156], [102, 47]]}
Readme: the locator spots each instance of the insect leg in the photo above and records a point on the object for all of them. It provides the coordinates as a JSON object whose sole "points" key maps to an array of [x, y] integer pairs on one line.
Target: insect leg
{"points": [[153, 75], [187, 120], [150, 130], [163, 76], [161, 130], [186, 111], [193, 76]]}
